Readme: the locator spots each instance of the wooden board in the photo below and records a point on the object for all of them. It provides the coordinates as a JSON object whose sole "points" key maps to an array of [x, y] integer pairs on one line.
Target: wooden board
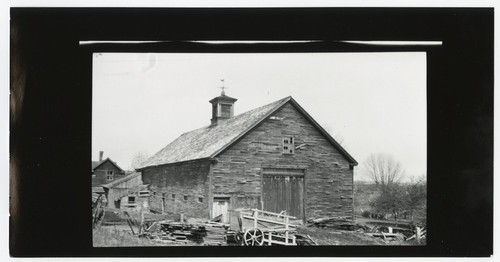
{"points": [[283, 192], [221, 207]]}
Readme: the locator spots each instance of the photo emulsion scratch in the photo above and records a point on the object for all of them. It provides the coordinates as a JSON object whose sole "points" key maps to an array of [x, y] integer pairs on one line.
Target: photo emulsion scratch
{"points": [[254, 149]]}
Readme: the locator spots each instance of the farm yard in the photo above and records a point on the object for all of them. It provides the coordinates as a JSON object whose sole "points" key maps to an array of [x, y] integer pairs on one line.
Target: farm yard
{"points": [[119, 228], [269, 176]]}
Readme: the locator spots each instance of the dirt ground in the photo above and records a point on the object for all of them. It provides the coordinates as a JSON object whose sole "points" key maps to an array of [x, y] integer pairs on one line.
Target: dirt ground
{"points": [[120, 235], [116, 232]]}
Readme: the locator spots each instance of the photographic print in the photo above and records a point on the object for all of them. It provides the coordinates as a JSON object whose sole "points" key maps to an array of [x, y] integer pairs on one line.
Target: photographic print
{"points": [[259, 149], [220, 132]]}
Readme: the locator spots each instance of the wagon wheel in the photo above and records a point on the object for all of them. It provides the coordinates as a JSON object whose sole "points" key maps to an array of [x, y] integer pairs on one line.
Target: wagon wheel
{"points": [[253, 237]]}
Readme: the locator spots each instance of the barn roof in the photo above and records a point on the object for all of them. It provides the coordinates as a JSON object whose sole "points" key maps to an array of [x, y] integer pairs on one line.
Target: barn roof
{"points": [[209, 141]]}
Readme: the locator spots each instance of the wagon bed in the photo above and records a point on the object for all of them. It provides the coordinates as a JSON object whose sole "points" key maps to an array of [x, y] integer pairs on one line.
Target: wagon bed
{"points": [[267, 228]]}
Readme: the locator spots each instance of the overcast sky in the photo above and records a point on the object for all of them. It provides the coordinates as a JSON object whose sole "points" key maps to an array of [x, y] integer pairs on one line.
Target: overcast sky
{"points": [[376, 102]]}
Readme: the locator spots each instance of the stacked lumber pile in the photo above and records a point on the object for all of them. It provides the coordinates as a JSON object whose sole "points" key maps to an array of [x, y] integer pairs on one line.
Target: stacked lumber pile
{"points": [[339, 223], [215, 234], [170, 232]]}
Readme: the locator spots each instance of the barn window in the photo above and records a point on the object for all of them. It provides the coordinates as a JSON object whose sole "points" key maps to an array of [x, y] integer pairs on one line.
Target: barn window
{"points": [[185, 197], [200, 199], [131, 199], [173, 196], [288, 145], [225, 110]]}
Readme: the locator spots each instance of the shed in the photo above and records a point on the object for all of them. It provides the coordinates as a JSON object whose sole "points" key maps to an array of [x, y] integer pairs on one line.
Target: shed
{"points": [[127, 193]]}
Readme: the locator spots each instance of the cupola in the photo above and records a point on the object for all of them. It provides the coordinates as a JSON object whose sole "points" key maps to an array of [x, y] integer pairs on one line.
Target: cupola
{"points": [[222, 108]]}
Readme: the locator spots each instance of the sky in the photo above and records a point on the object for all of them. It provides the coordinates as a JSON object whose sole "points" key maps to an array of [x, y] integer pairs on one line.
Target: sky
{"points": [[373, 102]]}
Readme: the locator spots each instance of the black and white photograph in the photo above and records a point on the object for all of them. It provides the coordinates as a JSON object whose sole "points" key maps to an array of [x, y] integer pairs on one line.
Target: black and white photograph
{"points": [[259, 149], [246, 131]]}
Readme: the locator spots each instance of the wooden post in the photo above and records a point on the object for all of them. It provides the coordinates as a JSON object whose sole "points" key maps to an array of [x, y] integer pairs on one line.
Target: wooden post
{"points": [[255, 217], [417, 234], [390, 230], [240, 222], [182, 217], [286, 230], [142, 221]]}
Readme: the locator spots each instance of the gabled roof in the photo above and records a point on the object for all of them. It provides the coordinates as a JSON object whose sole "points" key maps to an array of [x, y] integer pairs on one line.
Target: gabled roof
{"points": [[210, 141], [96, 164]]}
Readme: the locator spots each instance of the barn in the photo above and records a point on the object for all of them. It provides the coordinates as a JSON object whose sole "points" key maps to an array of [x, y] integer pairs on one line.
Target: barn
{"points": [[275, 157]]}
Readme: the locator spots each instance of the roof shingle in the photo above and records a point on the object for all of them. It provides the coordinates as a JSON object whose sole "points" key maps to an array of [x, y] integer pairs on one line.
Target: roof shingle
{"points": [[206, 141], [210, 140]]}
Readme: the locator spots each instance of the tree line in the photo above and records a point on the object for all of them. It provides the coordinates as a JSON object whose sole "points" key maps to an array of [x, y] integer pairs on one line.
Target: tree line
{"points": [[400, 200]]}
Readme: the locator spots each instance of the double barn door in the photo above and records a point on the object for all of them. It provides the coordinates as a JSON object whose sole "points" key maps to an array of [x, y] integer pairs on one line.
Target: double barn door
{"points": [[283, 189]]}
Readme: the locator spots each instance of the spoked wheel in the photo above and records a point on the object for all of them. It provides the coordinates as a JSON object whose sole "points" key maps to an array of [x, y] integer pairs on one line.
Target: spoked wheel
{"points": [[253, 237]]}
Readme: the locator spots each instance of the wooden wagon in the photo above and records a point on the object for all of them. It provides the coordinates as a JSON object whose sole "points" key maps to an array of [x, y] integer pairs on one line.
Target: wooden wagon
{"points": [[266, 228]]}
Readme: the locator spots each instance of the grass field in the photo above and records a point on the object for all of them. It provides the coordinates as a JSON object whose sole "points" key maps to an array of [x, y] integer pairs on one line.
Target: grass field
{"points": [[117, 236]]}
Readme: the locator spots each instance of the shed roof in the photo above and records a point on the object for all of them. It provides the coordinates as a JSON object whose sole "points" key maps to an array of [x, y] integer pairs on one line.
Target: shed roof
{"points": [[209, 141], [121, 180]]}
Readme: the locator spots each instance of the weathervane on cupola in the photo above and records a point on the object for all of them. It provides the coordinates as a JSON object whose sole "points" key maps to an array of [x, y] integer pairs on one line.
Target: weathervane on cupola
{"points": [[222, 106], [222, 87]]}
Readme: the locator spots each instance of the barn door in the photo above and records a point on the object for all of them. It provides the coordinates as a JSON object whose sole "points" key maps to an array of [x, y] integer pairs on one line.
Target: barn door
{"points": [[283, 192], [221, 207]]}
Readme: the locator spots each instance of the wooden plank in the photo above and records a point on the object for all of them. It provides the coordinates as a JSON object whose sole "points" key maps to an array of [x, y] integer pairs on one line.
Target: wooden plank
{"points": [[268, 221], [294, 197], [288, 195], [276, 195], [282, 195], [267, 212]]}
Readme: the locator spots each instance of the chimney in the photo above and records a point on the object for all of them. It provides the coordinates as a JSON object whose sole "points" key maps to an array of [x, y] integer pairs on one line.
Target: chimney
{"points": [[100, 155], [222, 108]]}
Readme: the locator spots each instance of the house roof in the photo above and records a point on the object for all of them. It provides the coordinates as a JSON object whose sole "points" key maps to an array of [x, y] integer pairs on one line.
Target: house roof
{"points": [[96, 164], [210, 141], [121, 180]]}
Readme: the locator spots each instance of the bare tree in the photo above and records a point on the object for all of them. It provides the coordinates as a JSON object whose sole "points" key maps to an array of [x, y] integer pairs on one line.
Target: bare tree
{"points": [[138, 159], [384, 170]]}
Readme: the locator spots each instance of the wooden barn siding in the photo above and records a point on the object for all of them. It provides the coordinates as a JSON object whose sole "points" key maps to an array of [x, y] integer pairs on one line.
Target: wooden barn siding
{"points": [[141, 203], [130, 183], [328, 178], [100, 174], [182, 179], [117, 191]]}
